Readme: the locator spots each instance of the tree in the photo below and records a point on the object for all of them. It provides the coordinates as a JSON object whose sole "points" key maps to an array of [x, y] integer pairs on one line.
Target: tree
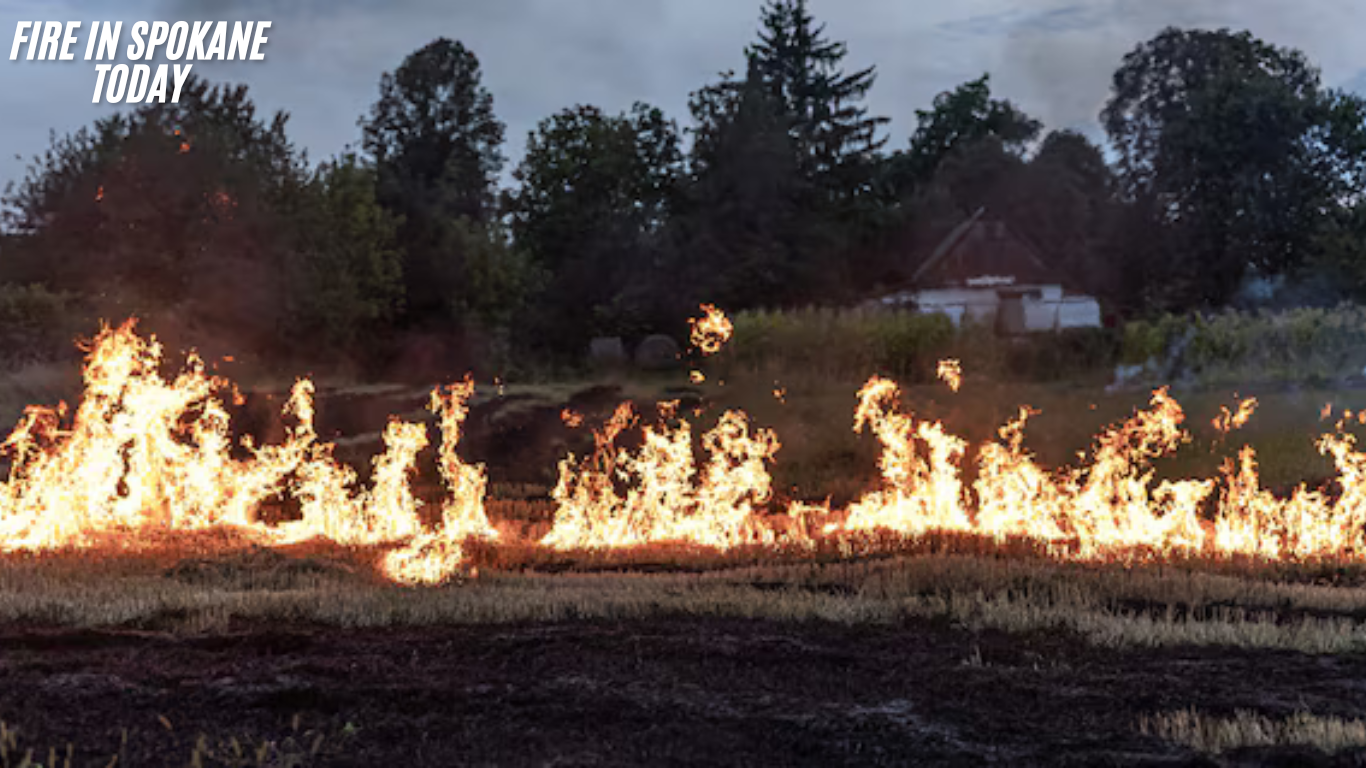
{"points": [[836, 141], [595, 192], [437, 147], [169, 211], [960, 119], [740, 229], [1236, 149], [780, 200], [1064, 203], [346, 267]]}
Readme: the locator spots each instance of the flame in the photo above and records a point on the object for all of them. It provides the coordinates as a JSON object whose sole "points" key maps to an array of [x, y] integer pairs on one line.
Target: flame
{"points": [[921, 492], [1227, 420], [711, 331], [143, 454], [951, 373], [1109, 504], [1106, 505], [432, 556], [664, 497], [571, 418], [697, 377]]}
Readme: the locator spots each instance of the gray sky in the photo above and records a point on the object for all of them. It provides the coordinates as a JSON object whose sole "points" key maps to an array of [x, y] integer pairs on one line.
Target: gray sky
{"points": [[323, 61]]}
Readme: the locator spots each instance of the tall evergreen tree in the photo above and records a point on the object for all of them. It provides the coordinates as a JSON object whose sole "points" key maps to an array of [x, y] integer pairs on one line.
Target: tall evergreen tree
{"points": [[836, 139], [741, 217]]}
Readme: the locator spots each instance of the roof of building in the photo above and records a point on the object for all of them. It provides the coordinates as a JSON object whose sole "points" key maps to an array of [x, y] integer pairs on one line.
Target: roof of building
{"points": [[981, 247]]}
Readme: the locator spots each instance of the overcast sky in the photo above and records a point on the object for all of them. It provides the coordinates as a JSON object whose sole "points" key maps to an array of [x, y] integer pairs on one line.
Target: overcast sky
{"points": [[324, 57]]}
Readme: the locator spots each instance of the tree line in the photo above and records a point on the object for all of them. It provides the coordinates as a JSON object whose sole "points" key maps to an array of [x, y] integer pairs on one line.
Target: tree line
{"points": [[1228, 161]]}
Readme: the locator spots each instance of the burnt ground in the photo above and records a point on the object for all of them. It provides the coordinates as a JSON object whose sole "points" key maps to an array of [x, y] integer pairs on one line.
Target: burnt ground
{"points": [[660, 692]]}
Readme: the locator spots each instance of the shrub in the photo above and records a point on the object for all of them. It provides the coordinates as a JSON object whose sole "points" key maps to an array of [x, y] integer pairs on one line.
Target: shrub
{"points": [[1303, 346], [36, 324], [834, 342]]}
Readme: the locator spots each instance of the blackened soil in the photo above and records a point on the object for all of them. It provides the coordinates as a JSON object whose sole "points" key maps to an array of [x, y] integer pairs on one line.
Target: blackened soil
{"points": [[652, 693]]}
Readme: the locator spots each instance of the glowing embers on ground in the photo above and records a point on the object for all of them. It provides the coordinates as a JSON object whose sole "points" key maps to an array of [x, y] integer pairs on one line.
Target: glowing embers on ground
{"points": [[621, 498], [144, 454]]}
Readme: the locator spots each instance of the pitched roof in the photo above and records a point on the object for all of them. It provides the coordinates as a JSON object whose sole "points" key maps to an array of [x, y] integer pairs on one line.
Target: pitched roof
{"points": [[982, 247]]}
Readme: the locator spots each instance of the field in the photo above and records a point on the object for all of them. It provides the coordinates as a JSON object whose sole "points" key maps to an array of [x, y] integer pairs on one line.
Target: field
{"points": [[304, 658], [856, 648]]}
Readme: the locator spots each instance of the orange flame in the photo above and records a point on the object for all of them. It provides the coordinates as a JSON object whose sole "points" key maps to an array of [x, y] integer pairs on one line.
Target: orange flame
{"points": [[1103, 506], [1227, 420], [711, 331], [951, 373], [143, 453], [664, 498]]}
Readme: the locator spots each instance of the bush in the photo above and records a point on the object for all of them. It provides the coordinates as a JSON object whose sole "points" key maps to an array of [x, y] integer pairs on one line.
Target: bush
{"points": [[835, 342], [1302, 346], [1067, 354], [37, 325]]}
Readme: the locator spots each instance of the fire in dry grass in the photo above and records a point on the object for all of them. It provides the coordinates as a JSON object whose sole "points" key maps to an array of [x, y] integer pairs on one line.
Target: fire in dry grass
{"points": [[711, 331], [1110, 503], [430, 556], [1227, 420], [621, 498], [951, 373], [1107, 504], [143, 453]]}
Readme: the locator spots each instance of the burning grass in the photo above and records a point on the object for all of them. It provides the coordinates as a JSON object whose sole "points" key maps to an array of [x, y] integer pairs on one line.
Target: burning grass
{"points": [[146, 470]]}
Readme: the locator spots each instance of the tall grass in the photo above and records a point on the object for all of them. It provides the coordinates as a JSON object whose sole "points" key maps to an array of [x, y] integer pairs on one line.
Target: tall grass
{"points": [[852, 343], [1308, 346]]}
